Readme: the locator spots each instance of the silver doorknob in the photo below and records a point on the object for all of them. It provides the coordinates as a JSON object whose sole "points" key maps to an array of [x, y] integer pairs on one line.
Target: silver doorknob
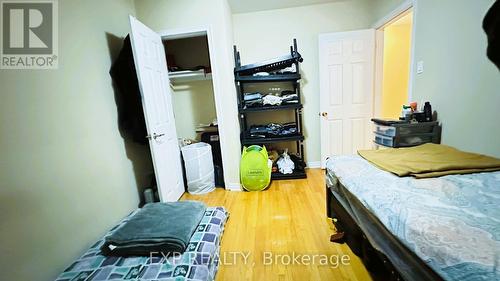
{"points": [[324, 114], [154, 136]]}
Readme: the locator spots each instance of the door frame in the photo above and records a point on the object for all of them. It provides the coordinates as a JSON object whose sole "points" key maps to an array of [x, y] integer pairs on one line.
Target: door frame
{"points": [[392, 16], [216, 82]]}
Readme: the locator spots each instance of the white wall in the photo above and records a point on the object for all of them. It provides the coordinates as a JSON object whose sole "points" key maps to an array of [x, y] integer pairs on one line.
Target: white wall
{"points": [[460, 82], [194, 104], [380, 8], [67, 175], [180, 14], [266, 34]]}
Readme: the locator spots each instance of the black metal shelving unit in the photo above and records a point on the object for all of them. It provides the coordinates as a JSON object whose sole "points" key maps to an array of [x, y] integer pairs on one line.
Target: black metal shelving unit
{"points": [[270, 108], [270, 78], [246, 141], [244, 75]]}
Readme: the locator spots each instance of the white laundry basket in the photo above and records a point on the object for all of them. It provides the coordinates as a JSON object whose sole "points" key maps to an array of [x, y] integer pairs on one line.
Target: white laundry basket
{"points": [[199, 167]]}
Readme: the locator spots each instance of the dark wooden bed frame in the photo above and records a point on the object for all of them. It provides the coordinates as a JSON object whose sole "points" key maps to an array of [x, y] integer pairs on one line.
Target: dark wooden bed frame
{"points": [[375, 261]]}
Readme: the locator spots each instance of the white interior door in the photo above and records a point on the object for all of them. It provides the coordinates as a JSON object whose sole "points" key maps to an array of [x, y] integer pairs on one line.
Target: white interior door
{"points": [[346, 65], [152, 73]]}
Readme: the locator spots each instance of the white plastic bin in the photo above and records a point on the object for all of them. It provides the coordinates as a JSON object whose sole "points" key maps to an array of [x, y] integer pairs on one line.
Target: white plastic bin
{"points": [[199, 167], [385, 130]]}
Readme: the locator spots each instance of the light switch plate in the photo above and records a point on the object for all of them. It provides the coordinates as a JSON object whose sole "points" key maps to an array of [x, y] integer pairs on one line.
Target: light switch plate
{"points": [[420, 67]]}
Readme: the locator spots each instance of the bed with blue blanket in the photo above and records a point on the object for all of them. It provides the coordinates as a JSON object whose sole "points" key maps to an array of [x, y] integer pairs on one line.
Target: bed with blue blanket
{"points": [[444, 228], [199, 262]]}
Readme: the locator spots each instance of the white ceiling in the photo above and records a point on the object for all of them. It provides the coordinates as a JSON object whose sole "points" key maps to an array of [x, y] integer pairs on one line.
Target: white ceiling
{"points": [[246, 6]]}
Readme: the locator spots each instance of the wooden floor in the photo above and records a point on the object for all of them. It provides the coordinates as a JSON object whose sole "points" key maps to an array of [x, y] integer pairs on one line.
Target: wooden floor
{"points": [[288, 218]]}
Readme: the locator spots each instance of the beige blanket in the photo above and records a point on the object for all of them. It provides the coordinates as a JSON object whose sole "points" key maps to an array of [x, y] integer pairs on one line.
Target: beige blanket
{"points": [[430, 160]]}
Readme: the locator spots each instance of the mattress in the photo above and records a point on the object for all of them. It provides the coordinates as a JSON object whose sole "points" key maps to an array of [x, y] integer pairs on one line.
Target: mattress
{"points": [[451, 223], [199, 262]]}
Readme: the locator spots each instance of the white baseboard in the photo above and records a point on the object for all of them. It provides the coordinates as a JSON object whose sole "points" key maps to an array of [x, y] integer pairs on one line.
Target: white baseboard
{"points": [[233, 186], [314, 164]]}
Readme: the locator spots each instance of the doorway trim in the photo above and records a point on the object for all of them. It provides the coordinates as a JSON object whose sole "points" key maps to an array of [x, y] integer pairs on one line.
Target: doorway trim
{"points": [[379, 50], [179, 33], [392, 15]]}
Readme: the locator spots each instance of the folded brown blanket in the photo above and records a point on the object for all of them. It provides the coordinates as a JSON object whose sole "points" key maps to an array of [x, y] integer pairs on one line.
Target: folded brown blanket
{"points": [[429, 161]]}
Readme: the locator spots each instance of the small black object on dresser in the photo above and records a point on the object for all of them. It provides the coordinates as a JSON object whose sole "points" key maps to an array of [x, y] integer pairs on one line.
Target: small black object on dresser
{"points": [[405, 134]]}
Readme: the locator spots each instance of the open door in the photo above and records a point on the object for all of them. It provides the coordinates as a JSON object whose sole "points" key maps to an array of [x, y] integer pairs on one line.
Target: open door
{"points": [[346, 66], [152, 73]]}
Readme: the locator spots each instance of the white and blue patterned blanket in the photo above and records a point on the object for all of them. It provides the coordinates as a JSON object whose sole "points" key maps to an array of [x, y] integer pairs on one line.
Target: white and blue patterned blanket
{"points": [[199, 262], [452, 223]]}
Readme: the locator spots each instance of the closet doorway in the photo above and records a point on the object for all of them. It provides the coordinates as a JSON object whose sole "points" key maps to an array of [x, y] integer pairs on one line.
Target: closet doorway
{"points": [[393, 64], [189, 62]]}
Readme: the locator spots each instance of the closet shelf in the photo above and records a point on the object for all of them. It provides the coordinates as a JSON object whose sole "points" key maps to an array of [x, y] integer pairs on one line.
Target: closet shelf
{"points": [[271, 108], [246, 140], [189, 75]]}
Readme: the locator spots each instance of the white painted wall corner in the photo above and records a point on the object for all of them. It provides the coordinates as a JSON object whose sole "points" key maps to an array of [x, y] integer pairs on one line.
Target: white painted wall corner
{"points": [[314, 164], [233, 187]]}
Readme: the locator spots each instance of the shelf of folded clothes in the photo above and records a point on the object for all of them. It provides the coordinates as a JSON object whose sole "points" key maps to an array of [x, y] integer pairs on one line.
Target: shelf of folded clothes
{"points": [[270, 133], [256, 100], [268, 78], [270, 108]]}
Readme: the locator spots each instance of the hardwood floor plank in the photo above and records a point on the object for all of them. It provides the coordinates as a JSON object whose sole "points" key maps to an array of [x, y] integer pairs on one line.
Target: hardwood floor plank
{"points": [[288, 218]]}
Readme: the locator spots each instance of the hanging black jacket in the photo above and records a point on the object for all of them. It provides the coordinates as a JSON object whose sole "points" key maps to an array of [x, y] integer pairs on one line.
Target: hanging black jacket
{"points": [[491, 25], [128, 97]]}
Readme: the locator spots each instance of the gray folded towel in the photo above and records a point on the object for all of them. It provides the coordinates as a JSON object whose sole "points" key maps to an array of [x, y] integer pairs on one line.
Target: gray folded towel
{"points": [[157, 227]]}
